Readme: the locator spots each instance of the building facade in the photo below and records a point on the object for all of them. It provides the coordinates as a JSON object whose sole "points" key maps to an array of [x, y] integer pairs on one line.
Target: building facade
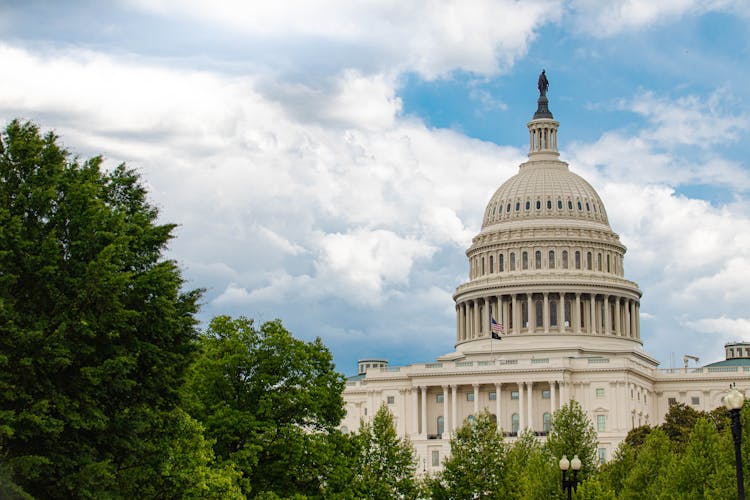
{"points": [[546, 273]]}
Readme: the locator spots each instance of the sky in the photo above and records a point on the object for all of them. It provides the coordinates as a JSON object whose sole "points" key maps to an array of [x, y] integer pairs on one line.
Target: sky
{"points": [[328, 162]]}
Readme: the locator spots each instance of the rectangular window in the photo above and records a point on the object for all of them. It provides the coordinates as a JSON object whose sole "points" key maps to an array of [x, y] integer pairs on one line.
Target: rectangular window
{"points": [[602, 455], [599, 392], [439, 398], [493, 396], [391, 400], [513, 394], [601, 423], [435, 458], [469, 396], [545, 394], [672, 401], [695, 400]]}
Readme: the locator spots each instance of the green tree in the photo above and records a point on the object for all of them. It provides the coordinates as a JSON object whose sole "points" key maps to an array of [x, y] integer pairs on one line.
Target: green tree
{"points": [[705, 469], [645, 478], [572, 433], [477, 465], [679, 422], [534, 471], [95, 332], [385, 464], [266, 399]]}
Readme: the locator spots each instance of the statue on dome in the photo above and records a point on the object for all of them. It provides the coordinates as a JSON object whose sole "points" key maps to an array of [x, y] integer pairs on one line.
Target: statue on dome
{"points": [[543, 84]]}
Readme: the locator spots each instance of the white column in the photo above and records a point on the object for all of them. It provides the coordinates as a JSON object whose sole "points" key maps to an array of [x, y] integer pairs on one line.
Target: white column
{"points": [[446, 429], [414, 411], [454, 413], [607, 326], [516, 315], [592, 311], [618, 332], [552, 397], [560, 312], [530, 419], [476, 400], [521, 416], [577, 314], [487, 314], [424, 411], [545, 313], [498, 406], [477, 325], [530, 315]]}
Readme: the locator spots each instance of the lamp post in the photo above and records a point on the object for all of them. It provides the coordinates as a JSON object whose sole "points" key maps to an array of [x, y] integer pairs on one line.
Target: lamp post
{"points": [[571, 484], [733, 402]]}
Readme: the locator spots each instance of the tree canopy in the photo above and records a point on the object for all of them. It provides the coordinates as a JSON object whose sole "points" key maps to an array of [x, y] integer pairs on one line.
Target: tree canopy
{"points": [[95, 330]]}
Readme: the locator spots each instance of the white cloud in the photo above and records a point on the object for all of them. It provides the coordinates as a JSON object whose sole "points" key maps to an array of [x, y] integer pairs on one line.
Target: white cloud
{"points": [[603, 19], [431, 37], [730, 328]]}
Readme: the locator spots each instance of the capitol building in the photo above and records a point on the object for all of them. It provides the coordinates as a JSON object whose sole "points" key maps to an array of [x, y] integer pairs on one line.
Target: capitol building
{"points": [[547, 316]]}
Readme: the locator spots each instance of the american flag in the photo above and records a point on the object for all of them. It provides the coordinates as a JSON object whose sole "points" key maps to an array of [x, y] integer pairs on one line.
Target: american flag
{"points": [[496, 327]]}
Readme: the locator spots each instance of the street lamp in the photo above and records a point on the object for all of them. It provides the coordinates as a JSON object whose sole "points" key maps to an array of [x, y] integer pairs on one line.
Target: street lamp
{"points": [[733, 402], [570, 485]]}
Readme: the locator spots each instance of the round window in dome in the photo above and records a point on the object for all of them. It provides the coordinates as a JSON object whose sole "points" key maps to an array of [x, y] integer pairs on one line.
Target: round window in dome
{"points": [[570, 205], [528, 205], [508, 208], [549, 204], [588, 208], [580, 207], [559, 204], [518, 206], [538, 205]]}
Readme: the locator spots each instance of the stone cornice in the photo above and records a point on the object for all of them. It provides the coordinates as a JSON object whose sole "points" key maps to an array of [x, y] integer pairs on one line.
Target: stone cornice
{"points": [[541, 281]]}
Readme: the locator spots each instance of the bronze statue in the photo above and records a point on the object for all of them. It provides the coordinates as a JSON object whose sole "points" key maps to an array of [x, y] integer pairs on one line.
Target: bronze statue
{"points": [[543, 84]]}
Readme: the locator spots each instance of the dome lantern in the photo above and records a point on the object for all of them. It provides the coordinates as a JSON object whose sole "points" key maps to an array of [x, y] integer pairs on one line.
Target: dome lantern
{"points": [[543, 127]]}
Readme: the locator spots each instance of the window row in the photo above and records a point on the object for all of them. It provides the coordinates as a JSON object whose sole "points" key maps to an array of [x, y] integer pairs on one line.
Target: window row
{"points": [[492, 396], [507, 207], [523, 260]]}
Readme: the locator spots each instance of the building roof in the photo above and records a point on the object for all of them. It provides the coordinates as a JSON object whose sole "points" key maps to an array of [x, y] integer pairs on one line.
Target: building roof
{"points": [[731, 362]]}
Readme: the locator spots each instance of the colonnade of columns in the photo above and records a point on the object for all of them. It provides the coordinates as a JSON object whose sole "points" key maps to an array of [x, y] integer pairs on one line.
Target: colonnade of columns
{"points": [[422, 424], [573, 312], [543, 136]]}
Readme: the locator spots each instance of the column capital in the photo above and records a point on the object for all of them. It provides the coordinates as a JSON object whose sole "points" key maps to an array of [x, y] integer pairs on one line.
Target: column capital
{"points": [[475, 385]]}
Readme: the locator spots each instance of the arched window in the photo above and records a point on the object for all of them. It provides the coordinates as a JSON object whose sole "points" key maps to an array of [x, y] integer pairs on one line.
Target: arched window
{"points": [[598, 262], [501, 264], [537, 260], [559, 204], [528, 205], [538, 205], [482, 265], [549, 204], [525, 260], [588, 261], [553, 313], [512, 261], [547, 420], [507, 209], [518, 206], [470, 419], [539, 313], [608, 267], [580, 207], [492, 264], [570, 205], [567, 313], [514, 423], [578, 259], [588, 208], [551, 259], [440, 425], [565, 259]]}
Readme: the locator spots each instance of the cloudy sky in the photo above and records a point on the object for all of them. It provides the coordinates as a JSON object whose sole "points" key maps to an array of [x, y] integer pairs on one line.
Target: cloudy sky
{"points": [[329, 161]]}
